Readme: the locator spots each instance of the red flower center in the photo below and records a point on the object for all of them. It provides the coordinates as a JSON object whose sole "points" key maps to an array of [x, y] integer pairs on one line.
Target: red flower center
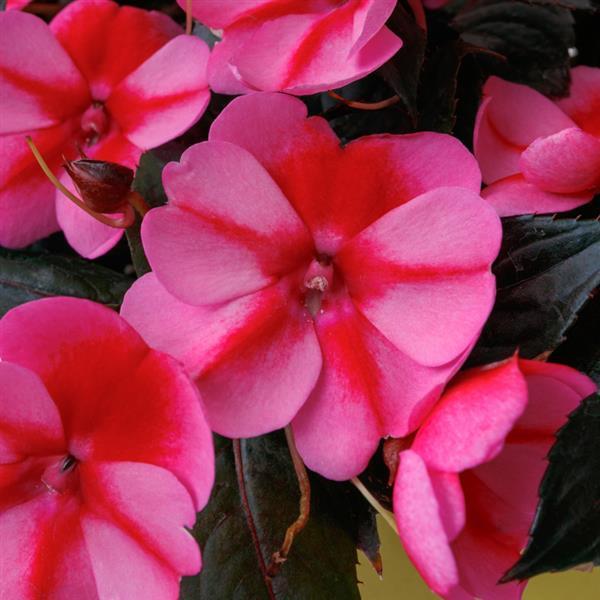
{"points": [[95, 123], [317, 280], [61, 476]]}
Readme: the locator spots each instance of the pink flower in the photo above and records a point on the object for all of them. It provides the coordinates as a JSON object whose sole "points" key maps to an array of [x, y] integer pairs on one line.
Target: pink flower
{"points": [[296, 279], [536, 155], [105, 455], [113, 80], [297, 46], [466, 491], [16, 4]]}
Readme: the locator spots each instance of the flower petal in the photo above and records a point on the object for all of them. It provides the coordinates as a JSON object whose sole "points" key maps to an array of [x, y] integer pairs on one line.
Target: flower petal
{"points": [[367, 390], [497, 157], [330, 188], [554, 392], [107, 42], [27, 206], [121, 568], [218, 14], [477, 411], [317, 51], [255, 359], [583, 103], [481, 562], [156, 102], [148, 503], [420, 524], [520, 114], [43, 549], [515, 196], [39, 84], [228, 229], [30, 422], [429, 299], [118, 379], [565, 163]]}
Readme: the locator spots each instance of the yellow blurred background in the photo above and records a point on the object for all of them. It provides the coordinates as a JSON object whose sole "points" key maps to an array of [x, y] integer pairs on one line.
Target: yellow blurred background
{"points": [[402, 582]]}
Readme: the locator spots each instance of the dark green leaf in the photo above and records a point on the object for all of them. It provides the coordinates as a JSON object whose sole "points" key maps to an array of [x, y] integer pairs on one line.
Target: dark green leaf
{"points": [[25, 276], [566, 529], [322, 561], [581, 349], [533, 38], [545, 273], [402, 71]]}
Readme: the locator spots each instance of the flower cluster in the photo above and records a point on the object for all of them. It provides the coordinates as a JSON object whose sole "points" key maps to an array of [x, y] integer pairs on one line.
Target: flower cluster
{"points": [[332, 289]]}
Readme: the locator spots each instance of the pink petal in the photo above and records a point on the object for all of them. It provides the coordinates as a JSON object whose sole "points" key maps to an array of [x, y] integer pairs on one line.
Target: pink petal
{"points": [[16, 4], [228, 230], [30, 422], [118, 379], [565, 163], [469, 425], [255, 359], [39, 85], [583, 103], [85, 234], [149, 504], [330, 188], [429, 299], [316, 51], [497, 157], [515, 196], [449, 494], [27, 210], [520, 114], [43, 549], [490, 489], [107, 42], [367, 390], [121, 568], [554, 392], [420, 524], [481, 562], [157, 102], [218, 14]]}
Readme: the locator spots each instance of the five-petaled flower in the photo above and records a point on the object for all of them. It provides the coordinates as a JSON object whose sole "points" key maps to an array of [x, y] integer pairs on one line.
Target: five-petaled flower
{"points": [[105, 455], [340, 287], [99, 78], [466, 490], [297, 46], [536, 155]]}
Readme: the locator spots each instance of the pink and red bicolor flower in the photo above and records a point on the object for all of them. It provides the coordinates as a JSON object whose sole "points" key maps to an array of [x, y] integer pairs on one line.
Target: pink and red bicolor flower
{"points": [[105, 456], [100, 77], [539, 155], [335, 287], [297, 46], [466, 491]]}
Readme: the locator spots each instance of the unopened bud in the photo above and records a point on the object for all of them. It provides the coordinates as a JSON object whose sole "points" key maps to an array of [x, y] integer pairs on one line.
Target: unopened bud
{"points": [[103, 186]]}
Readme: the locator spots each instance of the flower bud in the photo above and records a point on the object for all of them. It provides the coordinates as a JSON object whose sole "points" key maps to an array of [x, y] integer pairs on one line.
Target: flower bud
{"points": [[103, 186]]}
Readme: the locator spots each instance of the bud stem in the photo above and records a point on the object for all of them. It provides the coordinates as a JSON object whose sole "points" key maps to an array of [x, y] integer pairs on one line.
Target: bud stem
{"points": [[298, 525], [136, 200], [121, 223], [188, 16], [364, 105]]}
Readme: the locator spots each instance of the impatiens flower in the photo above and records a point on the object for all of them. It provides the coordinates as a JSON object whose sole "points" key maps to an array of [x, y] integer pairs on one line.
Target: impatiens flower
{"points": [[100, 78], [105, 456], [298, 46], [536, 155], [466, 490], [16, 4], [297, 279]]}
